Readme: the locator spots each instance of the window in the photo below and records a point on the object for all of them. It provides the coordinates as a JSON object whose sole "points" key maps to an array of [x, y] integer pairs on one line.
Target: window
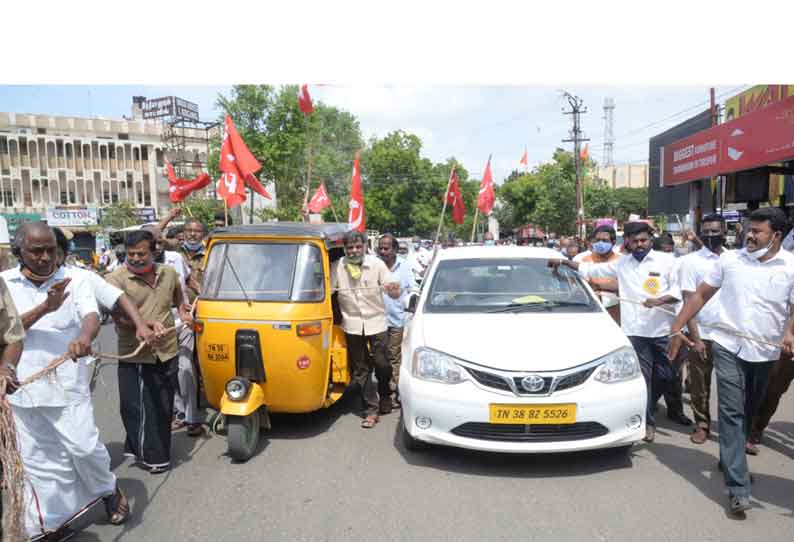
{"points": [[483, 284], [277, 272]]}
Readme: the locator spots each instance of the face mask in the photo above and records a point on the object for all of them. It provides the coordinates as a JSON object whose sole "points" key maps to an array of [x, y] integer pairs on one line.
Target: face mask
{"points": [[489, 242], [639, 255], [139, 269], [760, 253], [192, 247], [357, 260], [713, 242], [602, 247]]}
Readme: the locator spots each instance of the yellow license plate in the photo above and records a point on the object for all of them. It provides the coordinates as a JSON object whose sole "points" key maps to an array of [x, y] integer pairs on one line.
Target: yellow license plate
{"points": [[533, 414], [217, 352]]}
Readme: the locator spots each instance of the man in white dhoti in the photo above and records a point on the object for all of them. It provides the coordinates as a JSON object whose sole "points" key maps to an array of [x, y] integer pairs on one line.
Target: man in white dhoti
{"points": [[66, 465]]}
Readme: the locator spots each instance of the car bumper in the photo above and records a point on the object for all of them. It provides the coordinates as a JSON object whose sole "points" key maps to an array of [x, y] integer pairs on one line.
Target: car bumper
{"points": [[450, 406]]}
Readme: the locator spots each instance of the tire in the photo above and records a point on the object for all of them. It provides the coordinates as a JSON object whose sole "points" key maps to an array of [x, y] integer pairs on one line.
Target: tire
{"points": [[242, 435], [409, 442]]}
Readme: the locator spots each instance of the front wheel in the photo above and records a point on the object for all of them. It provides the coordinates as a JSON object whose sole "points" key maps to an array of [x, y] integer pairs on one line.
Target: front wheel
{"points": [[242, 435]]}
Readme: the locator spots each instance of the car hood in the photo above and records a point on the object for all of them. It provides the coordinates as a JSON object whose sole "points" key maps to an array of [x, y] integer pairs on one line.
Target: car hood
{"points": [[541, 341]]}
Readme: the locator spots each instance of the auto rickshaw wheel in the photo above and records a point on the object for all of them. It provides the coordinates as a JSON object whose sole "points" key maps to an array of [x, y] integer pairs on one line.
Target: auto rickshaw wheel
{"points": [[242, 435]]}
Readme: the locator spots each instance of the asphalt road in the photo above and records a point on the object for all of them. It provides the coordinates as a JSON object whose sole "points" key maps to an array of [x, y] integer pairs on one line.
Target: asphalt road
{"points": [[321, 477]]}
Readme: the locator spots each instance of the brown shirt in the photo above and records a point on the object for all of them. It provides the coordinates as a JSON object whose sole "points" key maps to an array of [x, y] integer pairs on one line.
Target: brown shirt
{"points": [[153, 304], [11, 330], [195, 261]]}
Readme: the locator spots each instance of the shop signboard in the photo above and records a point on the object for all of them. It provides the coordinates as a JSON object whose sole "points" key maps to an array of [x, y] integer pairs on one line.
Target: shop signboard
{"points": [[15, 219], [758, 139], [86, 216], [756, 98]]}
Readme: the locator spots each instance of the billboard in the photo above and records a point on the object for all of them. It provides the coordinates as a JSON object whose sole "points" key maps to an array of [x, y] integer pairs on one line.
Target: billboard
{"points": [[756, 98], [170, 106], [664, 200], [761, 138]]}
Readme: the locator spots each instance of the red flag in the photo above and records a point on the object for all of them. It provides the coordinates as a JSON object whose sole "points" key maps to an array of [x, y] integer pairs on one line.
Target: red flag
{"points": [[454, 198], [238, 166], [524, 159], [170, 171], [304, 100], [585, 154], [320, 200], [355, 216], [487, 196], [182, 188]]}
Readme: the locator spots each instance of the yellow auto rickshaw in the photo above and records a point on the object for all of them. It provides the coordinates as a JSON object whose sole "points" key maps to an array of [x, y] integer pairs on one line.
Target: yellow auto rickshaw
{"points": [[266, 336]]}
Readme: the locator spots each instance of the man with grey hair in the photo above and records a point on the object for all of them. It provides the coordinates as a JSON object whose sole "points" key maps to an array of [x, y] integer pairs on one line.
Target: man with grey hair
{"points": [[359, 281]]}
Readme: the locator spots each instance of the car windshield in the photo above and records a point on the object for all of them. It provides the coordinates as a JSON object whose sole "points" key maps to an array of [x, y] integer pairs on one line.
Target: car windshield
{"points": [[501, 285], [264, 272]]}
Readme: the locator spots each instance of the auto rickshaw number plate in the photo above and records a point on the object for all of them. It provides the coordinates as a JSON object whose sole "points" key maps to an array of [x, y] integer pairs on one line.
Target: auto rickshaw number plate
{"points": [[217, 352]]}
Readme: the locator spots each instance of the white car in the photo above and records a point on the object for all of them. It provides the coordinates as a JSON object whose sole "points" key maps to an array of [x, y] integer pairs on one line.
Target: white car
{"points": [[504, 354]]}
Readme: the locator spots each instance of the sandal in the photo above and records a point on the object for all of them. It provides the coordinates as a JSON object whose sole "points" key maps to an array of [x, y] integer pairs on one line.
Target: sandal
{"points": [[370, 421], [177, 424], [117, 507]]}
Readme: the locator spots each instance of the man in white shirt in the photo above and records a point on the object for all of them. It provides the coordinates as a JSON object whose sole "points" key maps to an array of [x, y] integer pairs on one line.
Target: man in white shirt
{"points": [[693, 268], [66, 464], [649, 278], [756, 287]]}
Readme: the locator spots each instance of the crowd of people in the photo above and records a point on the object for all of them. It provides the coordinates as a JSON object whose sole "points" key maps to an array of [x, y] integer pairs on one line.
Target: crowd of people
{"points": [[714, 310]]}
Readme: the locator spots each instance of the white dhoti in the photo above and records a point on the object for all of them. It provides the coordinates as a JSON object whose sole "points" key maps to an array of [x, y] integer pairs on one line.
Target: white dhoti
{"points": [[66, 465]]}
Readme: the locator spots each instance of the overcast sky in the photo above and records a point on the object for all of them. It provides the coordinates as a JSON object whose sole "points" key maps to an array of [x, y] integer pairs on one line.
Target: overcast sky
{"points": [[467, 122]]}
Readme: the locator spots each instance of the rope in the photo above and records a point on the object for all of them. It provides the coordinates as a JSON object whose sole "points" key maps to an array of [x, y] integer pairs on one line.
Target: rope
{"points": [[726, 329]]}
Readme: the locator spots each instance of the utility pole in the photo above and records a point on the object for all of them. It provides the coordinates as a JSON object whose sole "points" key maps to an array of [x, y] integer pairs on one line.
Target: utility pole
{"points": [[575, 137], [609, 134]]}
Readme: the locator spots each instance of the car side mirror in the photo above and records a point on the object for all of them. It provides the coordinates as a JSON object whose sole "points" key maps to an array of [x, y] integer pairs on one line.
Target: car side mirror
{"points": [[411, 302]]}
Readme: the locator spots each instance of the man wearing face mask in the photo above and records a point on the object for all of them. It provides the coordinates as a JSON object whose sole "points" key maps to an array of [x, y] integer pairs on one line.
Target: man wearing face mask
{"points": [[602, 242], [147, 382], [359, 282], [693, 268], [488, 239], [648, 277], [66, 463], [756, 286]]}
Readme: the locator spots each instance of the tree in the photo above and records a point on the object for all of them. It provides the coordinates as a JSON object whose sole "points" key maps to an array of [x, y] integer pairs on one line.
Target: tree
{"points": [[281, 137], [203, 209], [119, 215]]}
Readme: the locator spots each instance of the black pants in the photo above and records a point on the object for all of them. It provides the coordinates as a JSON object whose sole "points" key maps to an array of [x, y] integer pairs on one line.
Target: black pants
{"points": [[660, 374], [146, 397], [361, 362]]}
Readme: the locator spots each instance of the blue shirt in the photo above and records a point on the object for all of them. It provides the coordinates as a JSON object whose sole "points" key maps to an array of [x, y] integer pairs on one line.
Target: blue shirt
{"points": [[395, 314]]}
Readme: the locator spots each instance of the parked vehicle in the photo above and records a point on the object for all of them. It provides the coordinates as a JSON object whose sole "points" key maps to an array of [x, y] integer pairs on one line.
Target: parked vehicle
{"points": [[504, 354]]}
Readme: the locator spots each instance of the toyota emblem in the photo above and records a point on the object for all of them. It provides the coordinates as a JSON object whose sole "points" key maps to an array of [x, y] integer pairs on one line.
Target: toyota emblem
{"points": [[533, 383]]}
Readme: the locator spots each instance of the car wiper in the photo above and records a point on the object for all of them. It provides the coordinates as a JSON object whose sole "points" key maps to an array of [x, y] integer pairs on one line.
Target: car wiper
{"points": [[236, 277], [548, 305]]}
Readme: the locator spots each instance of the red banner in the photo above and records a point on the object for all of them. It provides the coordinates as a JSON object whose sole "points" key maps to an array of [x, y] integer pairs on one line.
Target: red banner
{"points": [[758, 139]]}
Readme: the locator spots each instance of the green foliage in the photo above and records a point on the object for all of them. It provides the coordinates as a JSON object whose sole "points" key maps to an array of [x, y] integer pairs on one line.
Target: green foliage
{"points": [[203, 209], [118, 215]]}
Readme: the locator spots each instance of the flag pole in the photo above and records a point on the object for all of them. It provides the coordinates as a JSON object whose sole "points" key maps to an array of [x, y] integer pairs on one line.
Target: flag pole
{"points": [[444, 207], [225, 214], [474, 224]]}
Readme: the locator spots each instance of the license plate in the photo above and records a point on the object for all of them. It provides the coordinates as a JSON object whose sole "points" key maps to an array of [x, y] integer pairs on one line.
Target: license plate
{"points": [[533, 414], [217, 352]]}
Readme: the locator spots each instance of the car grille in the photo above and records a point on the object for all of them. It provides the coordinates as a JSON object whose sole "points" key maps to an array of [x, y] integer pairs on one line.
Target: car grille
{"points": [[489, 379], [573, 379], [530, 433]]}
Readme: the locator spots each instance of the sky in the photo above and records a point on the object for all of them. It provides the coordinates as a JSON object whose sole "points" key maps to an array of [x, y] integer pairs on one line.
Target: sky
{"points": [[467, 122]]}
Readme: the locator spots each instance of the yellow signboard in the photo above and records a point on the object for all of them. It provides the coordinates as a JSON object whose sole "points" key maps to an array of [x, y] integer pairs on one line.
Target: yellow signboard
{"points": [[754, 99]]}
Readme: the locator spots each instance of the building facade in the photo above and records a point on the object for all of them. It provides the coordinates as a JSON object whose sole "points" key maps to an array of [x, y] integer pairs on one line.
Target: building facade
{"points": [[622, 176], [71, 163]]}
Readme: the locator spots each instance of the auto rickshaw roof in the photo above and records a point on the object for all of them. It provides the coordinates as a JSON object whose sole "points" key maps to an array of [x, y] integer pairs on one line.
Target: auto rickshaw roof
{"points": [[331, 232]]}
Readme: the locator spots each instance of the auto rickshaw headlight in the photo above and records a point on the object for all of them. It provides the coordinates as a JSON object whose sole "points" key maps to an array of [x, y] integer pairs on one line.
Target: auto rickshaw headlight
{"points": [[237, 388]]}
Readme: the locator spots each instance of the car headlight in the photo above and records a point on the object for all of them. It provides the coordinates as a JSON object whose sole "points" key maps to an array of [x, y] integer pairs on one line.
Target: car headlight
{"points": [[619, 366], [429, 364]]}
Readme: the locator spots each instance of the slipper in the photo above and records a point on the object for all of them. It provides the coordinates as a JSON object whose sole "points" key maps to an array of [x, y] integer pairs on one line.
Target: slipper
{"points": [[177, 424], [117, 507], [370, 421]]}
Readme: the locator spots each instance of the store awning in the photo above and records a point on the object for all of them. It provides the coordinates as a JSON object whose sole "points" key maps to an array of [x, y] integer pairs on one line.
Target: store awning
{"points": [[751, 141]]}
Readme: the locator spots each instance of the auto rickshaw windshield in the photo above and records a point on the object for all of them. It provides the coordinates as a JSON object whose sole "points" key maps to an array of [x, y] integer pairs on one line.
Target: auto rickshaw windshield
{"points": [[276, 272]]}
